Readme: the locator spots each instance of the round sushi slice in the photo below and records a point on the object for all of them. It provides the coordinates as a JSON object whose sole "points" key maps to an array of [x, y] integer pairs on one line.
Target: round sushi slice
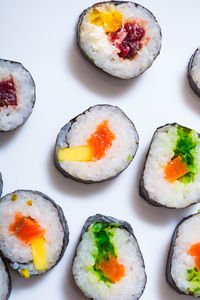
{"points": [[1, 184], [96, 145], [171, 173], [5, 281], [194, 72], [183, 264], [121, 38], [17, 94], [33, 232], [108, 263]]}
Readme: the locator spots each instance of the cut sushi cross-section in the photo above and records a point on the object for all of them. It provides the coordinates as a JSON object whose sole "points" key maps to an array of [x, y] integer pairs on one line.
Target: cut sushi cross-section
{"points": [[172, 169], [121, 38], [96, 145], [33, 232], [108, 263], [183, 265], [194, 72]]}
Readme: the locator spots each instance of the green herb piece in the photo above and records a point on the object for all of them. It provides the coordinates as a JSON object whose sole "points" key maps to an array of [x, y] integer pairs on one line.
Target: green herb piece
{"points": [[129, 158], [193, 276]]}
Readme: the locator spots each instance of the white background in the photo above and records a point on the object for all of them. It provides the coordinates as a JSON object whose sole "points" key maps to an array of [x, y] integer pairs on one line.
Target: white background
{"points": [[41, 35]]}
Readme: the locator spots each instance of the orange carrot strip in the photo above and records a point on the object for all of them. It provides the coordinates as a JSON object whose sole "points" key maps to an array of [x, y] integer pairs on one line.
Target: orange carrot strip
{"points": [[112, 269], [195, 251], [175, 169]]}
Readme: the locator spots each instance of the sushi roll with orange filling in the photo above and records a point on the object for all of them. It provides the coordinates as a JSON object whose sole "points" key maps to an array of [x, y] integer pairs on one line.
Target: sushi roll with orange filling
{"points": [[33, 232], [5, 281], [17, 94], [121, 38], [108, 263], [96, 145]]}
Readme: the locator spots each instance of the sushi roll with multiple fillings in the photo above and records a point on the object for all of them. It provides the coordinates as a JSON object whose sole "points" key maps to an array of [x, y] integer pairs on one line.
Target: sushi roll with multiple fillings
{"points": [[183, 264], [171, 173], [119, 37], [1, 184], [5, 281], [17, 94], [108, 263], [194, 72], [96, 145], [33, 232]]}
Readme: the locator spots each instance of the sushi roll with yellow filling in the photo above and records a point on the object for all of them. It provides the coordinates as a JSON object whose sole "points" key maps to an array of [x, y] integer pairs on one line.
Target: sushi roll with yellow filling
{"points": [[121, 38], [108, 264], [33, 232]]}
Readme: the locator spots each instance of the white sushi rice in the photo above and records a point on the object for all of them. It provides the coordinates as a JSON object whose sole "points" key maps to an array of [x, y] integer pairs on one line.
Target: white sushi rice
{"points": [[116, 157], [188, 234], [4, 281], [96, 45], [43, 212], [169, 194], [13, 116], [129, 287], [195, 69]]}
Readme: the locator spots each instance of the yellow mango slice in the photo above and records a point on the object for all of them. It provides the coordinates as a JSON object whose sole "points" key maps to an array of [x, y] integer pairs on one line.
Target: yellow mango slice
{"points": [[111, 20], [79, 153], [39, 254], [25, 273]]}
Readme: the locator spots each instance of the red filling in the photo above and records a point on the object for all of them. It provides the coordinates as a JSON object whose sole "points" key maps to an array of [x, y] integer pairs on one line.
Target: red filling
{"points": [[7, 93], [128, 39]]}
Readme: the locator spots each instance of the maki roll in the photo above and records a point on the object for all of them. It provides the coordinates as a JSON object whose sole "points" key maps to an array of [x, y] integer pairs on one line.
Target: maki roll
{"points": [[96, 145], [5, 281], [33, 232], [119, 37], [194, 72], [108, 263], [183, 264], [171, 173], [1, 184], [17, 94]]}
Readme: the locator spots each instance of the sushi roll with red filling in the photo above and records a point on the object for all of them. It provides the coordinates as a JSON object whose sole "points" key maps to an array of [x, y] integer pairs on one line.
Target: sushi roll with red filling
{"points": [[194, 72], [96, 145], [33, 232], [17, 94], [5, 281], [121, 38], [108, 264]]}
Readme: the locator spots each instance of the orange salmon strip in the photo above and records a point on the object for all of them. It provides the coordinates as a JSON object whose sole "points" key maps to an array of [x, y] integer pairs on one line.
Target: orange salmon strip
{"points": [[26, 229], [112, 269], [195, 251], [175, 169]]}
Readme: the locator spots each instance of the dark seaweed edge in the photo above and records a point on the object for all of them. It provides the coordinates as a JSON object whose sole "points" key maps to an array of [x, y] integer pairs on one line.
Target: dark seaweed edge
{"points": [[9, 277], [33, 97], [142, 191], [168, 275], [80, 19], [63, 222], [192, 83], [122, 225], [66, 128], [1, 184]]}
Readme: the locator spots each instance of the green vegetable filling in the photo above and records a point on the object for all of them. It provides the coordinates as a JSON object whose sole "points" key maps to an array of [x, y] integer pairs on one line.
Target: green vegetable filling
{"points": [[103, 234], [193, 277], [186, 148]]}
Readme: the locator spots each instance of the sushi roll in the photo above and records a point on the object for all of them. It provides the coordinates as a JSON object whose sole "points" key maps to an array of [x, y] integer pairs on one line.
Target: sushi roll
{"points": [[96, 145], [194, 72], [33, 232], [5, 281], [1, 184], [183, 264], [121, 38], [17, 94], [108, 264], [171, 173]]}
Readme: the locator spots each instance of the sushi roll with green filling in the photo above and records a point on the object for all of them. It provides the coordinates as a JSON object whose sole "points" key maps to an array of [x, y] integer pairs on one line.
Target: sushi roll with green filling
{"points": [[171, 173], [183, 264], [194, 72], [5, 281], [17, 94], [108, 263], [121, 38], [1, 184], [33, 232], [97, 145]]}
